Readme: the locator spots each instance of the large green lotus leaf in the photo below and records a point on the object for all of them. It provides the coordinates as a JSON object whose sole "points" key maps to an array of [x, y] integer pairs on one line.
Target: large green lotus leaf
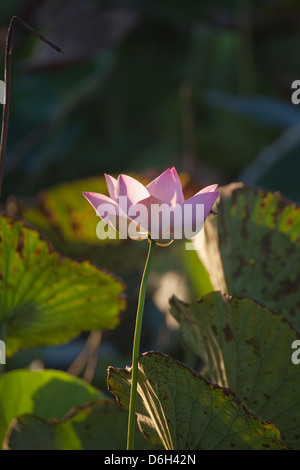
{"points": [[99, 425], [247, 348], [46, 299], [252, 248], [48, 394], [185, 411]]}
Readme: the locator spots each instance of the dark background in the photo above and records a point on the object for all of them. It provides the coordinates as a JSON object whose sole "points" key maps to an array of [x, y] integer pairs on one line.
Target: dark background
{"points": [[204, 86]]}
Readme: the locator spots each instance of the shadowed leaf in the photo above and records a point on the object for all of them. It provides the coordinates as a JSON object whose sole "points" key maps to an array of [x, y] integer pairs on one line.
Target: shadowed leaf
{"points": [[100, 425], [183, 410], [247, 348]]}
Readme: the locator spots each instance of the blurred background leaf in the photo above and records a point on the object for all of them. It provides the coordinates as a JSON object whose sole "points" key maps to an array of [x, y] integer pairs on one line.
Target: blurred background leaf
{"points": [[100, 425], [264, 111], [24, 391]]}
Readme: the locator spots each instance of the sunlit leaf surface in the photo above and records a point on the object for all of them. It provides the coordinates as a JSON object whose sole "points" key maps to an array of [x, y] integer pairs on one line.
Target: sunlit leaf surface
{"points": [[46, 299], [247, 348], [253, 248], [183, 410]]}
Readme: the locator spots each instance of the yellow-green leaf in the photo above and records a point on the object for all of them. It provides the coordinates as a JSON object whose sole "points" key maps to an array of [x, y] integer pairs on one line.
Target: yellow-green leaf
{"points": [[46, 299]]}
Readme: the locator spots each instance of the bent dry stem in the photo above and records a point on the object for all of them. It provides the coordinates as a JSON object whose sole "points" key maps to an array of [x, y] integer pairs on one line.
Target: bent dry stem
{"points": [[136, 346], [5, 113]]}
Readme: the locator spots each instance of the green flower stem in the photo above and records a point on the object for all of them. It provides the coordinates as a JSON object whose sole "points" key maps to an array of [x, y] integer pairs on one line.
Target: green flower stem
{"points": [[136, 346]]}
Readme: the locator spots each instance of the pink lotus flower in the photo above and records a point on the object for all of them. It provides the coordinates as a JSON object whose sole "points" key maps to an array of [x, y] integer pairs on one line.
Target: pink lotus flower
{"points": [[157, 210]]}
